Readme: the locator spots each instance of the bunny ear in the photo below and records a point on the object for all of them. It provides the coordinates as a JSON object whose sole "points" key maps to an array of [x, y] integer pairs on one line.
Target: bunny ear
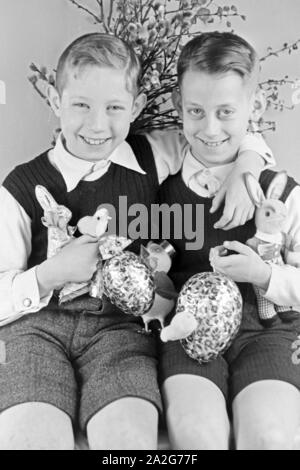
{"points": [[254, 189], [277, 186], [44, 198]]}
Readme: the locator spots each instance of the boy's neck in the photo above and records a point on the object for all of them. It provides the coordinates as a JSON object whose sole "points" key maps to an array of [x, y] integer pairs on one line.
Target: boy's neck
{"points": [[216, 164]]}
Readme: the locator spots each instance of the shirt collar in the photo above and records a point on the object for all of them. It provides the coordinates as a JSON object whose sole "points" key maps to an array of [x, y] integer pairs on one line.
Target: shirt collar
{"points": [[191, 166], [74, 169]]}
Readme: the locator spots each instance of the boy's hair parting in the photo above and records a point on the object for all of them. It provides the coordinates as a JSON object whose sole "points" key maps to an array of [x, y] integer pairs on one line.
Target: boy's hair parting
{"points": [[218, 53], [102, 50]]}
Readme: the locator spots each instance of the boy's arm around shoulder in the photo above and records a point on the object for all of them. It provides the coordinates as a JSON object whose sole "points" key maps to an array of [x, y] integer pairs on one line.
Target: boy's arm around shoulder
{"points": [[19, 291], [254, 156], [168, 148]]}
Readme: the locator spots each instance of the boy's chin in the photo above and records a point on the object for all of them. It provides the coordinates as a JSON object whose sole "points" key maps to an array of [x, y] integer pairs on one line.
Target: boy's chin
{"points": [[216, 158]]}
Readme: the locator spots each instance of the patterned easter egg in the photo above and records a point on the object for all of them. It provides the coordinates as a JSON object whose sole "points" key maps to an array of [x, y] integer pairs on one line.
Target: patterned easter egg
{"points": [[128, 283], [216, 303]]}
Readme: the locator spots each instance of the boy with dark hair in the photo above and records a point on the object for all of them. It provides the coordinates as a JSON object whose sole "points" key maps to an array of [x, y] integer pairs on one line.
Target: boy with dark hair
{"points": [[218, 94]]}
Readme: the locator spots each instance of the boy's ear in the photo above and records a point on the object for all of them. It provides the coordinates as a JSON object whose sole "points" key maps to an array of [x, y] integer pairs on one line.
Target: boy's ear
{"points": [[259, 104], [177, 101], [54, 100], [138, 106]]}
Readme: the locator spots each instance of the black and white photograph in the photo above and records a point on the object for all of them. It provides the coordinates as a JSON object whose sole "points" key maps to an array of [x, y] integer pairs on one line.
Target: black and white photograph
{"points": [[150, 227]]}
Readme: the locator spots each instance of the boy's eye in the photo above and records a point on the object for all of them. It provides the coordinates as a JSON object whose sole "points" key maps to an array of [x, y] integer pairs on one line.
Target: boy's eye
{"points": [[81, 105], [196, 112], [226, 112], [115, 107], [268, 213]]}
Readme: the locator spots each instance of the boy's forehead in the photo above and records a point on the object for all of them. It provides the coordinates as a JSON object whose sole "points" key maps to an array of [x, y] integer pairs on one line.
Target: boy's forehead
{"points": [[225, 88], [87, 79]]}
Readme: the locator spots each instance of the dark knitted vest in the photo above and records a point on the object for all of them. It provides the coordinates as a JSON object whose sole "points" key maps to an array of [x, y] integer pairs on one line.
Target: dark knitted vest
{"points": [[189, 262], [87, 196]]}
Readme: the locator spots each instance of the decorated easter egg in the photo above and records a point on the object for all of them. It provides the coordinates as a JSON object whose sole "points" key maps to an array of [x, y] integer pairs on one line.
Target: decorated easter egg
{"points": [[216, 303], [128, 283]]}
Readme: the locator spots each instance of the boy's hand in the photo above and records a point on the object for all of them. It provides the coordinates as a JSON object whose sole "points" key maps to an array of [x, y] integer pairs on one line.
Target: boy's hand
{"points": [[245, 266], [238, 205], [76, 262]]}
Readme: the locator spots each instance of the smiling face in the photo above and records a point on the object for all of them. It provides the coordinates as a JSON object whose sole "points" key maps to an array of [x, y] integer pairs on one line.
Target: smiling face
{"points": [[95, 111], [215, 110]]}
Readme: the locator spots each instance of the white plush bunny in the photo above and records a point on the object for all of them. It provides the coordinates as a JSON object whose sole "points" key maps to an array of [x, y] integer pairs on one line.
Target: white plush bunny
{"points": [[269, 240]]}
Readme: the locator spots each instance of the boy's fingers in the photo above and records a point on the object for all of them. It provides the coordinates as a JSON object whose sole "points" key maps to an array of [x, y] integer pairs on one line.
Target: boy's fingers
{"points": [[251, 213], [225, 219], [217, 200], [238, 247], [239, 218]]}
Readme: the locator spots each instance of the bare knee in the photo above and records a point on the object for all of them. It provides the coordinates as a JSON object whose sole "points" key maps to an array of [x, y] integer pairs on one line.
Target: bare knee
{"points": [[125, 436], [128, 423], [271, 439], [35, 426], [189, 431]]}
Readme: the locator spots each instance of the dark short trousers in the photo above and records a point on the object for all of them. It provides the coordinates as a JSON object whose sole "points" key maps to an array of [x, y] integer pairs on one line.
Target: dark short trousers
{"points": [[257, 353], [77, 361]]}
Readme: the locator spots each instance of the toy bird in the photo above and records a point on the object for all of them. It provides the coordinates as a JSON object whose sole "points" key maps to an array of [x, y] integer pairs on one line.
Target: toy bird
{"points": [[95, 225], [159, 258]]}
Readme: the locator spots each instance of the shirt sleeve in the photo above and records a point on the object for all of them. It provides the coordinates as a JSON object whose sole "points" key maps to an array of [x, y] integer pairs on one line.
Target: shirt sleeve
{"points": [[284, 284], [168, 147], [19, 291], [256, 143]]}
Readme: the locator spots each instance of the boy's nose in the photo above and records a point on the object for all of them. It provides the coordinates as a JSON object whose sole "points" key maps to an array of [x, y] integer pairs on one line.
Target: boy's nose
{"points": [[211, 127], [97, 121]]}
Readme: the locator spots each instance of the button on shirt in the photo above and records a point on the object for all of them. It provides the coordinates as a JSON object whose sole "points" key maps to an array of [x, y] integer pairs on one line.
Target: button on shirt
{"points": [[19, 292]]}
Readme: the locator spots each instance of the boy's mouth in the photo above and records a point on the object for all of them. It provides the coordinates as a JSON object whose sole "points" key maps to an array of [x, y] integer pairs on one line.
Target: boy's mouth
{"points": [[90, 141], [213, 143]]}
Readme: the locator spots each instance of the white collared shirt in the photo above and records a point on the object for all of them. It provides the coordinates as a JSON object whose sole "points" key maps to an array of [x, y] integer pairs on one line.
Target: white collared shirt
{"points": [[19, 292], [75, 169]]}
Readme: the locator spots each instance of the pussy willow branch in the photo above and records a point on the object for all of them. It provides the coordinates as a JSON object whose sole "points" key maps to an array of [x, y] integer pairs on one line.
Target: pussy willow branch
{"points": [[284, 48], [273, 82], [89, 12], [110, 13]]}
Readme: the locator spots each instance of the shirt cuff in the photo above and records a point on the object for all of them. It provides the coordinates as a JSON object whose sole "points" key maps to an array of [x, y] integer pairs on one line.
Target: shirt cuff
{"points": [[256, 143], [281, 289], [25, 293]]}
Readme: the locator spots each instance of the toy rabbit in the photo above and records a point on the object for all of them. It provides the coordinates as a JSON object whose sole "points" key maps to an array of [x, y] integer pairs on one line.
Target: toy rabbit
{"points": [[56, 218], [269, 240]]}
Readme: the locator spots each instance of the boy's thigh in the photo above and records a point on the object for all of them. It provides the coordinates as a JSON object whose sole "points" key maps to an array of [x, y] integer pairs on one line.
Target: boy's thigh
{"points": [[268, 355], [34, 368], [120, 362], [174, 361]]}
